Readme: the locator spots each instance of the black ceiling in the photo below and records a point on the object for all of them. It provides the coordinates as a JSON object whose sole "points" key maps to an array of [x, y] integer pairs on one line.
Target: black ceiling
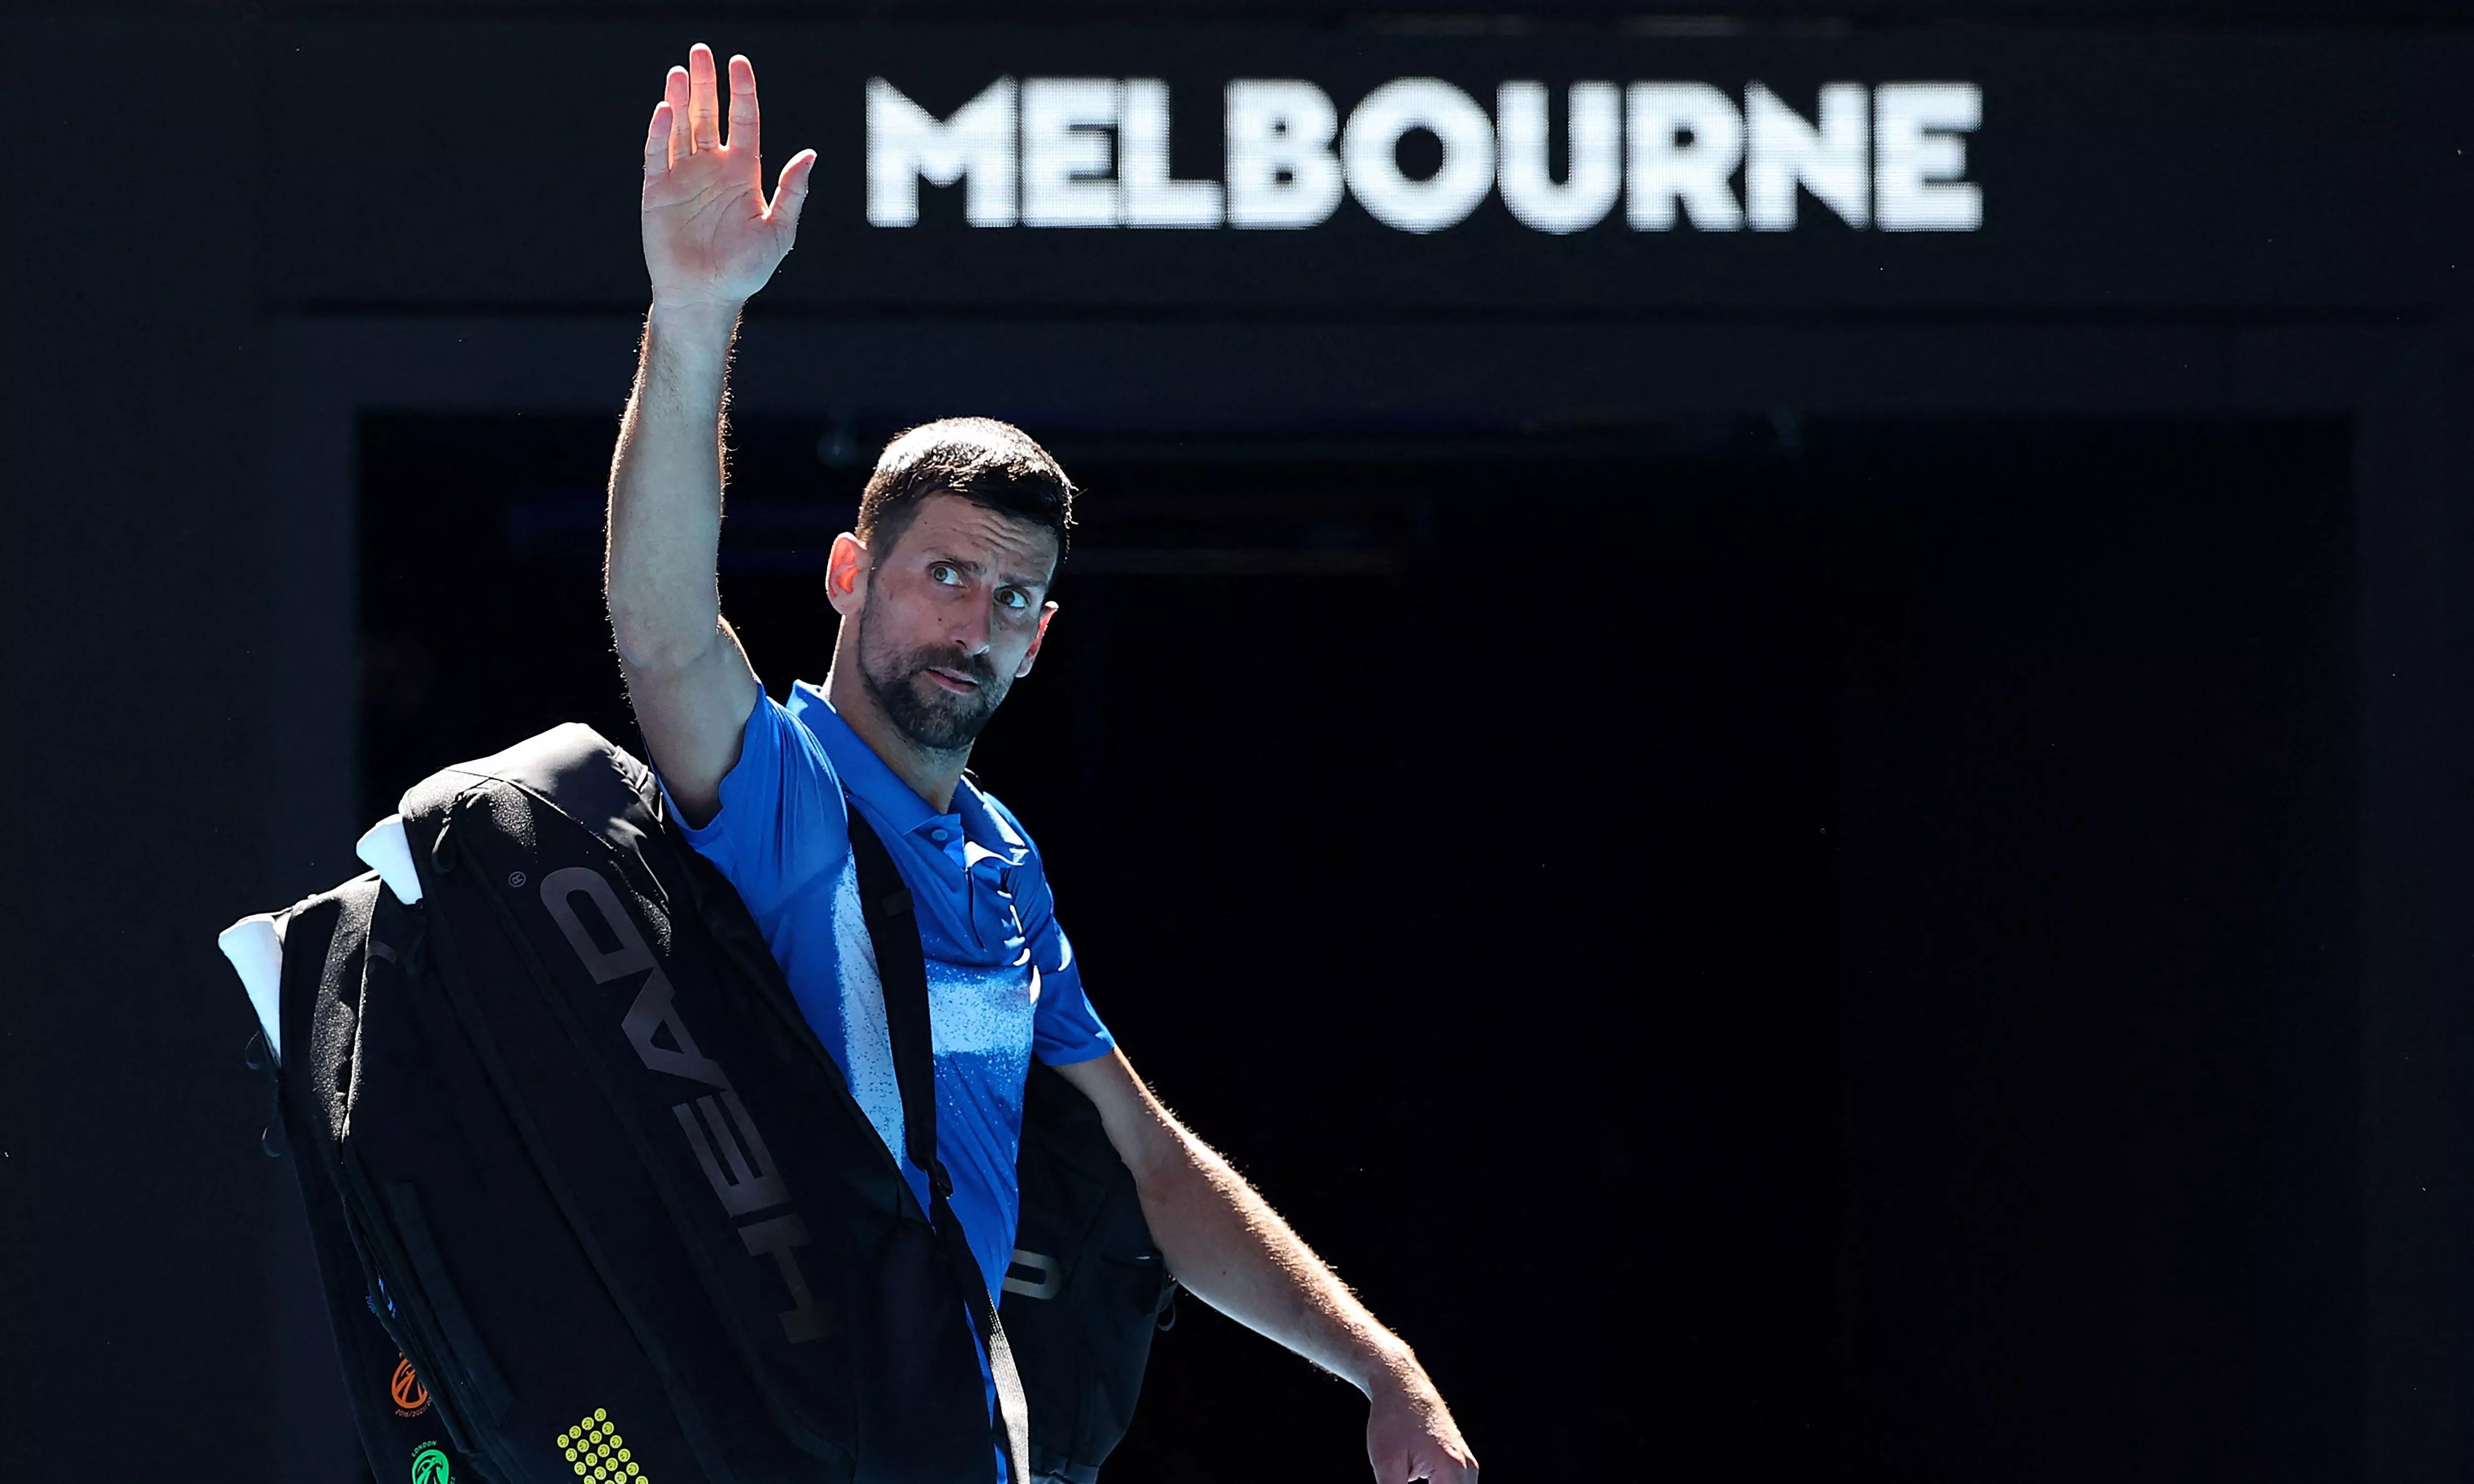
{"points": [[1756, 15]]}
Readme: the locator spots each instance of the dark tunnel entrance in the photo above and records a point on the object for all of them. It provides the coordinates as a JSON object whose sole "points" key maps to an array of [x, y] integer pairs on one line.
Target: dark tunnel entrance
{"points": [[1824, 944]]}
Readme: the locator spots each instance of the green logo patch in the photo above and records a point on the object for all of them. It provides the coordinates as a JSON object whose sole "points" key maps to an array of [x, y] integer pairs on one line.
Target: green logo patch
{"points": [[429, 1465]]}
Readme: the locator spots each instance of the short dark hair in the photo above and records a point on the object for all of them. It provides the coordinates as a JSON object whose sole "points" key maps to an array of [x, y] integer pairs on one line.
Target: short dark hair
{"points": [[984, 461]]}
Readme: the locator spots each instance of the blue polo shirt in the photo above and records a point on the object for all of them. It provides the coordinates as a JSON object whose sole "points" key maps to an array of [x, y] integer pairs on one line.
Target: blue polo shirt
{"points": [[1002, 981]]}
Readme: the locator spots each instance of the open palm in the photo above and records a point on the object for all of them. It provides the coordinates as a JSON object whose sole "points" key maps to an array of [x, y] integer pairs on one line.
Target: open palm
{"points": [[710, 235]]}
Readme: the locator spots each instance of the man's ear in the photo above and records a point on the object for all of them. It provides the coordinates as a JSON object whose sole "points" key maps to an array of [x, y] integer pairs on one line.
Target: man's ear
{"points": [[1030, 656], [846, 575]]}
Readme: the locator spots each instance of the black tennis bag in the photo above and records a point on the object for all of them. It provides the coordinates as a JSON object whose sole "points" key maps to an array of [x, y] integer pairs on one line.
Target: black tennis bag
{"points": [[590, 1202]]}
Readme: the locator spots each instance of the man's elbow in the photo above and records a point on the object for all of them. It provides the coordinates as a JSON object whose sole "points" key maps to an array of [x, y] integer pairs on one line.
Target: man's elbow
{"points": [[648, 647], [1167, 1157], [1146, 1137]]}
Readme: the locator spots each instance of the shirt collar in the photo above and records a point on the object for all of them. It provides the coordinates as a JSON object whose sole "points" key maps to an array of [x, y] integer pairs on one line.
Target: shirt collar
{"points": [[875, 783], [984, 830], [861, 772]]}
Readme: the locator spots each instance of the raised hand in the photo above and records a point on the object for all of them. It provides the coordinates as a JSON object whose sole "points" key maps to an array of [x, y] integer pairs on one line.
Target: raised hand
{"points": [[711, 239]]}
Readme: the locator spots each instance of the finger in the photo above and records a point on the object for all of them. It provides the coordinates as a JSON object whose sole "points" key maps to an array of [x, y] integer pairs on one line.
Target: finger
{"points": [[791, 194], [747, 132], [704, 105], [657, 141], [674, 97]]}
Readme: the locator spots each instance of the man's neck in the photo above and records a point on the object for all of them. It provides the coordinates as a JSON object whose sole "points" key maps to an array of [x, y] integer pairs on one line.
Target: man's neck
{"points": [[931, 775]]}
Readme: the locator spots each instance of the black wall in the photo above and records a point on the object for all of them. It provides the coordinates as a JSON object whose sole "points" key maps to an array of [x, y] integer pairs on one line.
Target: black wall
{"points": [[131, 1194]]}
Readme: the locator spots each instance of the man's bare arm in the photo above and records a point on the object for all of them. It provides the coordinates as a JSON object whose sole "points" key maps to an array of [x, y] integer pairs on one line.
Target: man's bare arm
{"points": [[711, 241], [1226, 1243]]}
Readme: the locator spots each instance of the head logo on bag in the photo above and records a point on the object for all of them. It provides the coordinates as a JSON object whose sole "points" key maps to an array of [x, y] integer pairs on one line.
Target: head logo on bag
{"points": [[725, 1139], [429, 1465], [644, 966], [411, 1397], [598, 1453]]}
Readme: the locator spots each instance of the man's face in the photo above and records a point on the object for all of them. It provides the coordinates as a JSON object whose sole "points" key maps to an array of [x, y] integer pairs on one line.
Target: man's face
{"points": [[953, 614]]}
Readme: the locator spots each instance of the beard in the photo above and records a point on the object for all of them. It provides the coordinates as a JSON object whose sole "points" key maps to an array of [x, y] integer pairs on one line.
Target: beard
{"points": [[932, 717]]}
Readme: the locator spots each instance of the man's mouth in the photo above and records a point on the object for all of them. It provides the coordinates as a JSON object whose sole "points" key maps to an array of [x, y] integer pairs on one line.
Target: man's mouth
{"points": [[951, 679]]}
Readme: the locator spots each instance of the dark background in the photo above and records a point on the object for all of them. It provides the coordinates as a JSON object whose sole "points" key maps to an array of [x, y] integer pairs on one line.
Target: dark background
{"points": [[1804, 855], [1644, 916]]}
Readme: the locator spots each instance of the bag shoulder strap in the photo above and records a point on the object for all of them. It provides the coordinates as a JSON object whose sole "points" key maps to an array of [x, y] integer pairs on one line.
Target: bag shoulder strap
{"points": [[902, 970]]}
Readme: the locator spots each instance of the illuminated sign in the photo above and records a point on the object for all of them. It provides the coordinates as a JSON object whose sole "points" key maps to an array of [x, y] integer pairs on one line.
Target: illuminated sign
{"points": [[1094, 151]]}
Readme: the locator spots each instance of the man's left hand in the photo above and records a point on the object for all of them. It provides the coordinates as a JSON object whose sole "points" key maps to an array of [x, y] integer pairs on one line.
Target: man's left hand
{"points": [[1409, 1433]]}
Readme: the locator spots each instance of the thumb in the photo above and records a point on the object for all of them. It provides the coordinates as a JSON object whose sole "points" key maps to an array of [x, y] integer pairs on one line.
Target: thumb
{"points": [[791, 194]]}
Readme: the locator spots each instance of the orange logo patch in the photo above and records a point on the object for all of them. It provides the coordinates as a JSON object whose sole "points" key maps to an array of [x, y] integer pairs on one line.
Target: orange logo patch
{"points": [[411, 1397]]}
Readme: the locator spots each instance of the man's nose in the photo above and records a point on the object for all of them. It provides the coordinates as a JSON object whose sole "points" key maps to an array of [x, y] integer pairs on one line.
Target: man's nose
{"points": [[972, 629]]}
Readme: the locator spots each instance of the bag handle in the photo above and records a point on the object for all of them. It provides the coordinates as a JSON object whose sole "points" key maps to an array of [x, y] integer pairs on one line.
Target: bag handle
{"points": [[902, 970]]}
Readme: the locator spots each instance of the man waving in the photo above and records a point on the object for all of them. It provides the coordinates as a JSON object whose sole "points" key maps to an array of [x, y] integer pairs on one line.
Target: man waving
{"points": [[941, 592]]}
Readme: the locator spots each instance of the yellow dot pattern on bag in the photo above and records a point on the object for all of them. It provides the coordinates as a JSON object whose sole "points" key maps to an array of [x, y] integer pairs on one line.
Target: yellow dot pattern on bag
{"points": [[597, 1452]]}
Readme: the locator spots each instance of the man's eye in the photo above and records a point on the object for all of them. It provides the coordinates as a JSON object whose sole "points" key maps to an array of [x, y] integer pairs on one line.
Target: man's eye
{"points": [[943, 572], [1014, 598]]}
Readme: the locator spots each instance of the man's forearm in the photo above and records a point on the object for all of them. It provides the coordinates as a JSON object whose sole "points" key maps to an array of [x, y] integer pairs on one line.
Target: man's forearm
{"points": [[1223, 1241], [664, 518], [1226, 1244]]}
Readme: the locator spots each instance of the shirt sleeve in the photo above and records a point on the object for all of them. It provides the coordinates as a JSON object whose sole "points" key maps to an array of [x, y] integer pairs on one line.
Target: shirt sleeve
{"points": [[782, 777]]}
